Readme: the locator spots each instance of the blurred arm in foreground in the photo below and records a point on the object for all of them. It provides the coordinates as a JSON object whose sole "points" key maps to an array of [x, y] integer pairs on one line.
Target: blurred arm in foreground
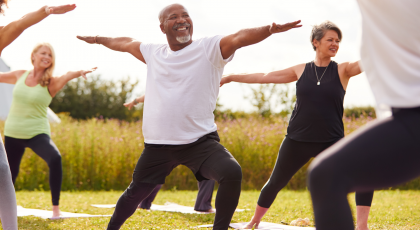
{"points": [[11, 31]]}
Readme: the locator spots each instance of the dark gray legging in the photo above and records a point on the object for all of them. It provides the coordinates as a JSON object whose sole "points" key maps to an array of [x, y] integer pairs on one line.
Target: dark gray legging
{"points": [[383, 154], [8, 210], [204, 195], [292, 156], [202, 203], [44, 147]]}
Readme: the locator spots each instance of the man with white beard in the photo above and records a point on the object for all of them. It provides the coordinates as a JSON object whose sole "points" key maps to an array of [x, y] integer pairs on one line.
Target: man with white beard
{"points": [[183, 80]]}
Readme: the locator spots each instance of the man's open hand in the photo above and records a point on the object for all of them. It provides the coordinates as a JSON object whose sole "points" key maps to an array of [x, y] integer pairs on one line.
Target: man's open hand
{"points": [[88, 39], [60, 9], [277, 28]]}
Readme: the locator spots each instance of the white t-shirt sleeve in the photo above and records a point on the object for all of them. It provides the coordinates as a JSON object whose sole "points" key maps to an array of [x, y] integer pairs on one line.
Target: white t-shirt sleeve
{"points": [[213, 52], [146, 50]]}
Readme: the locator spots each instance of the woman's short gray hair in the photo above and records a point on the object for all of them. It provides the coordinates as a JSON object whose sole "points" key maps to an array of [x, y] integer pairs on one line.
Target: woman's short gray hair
{"points": [[318, 31]]}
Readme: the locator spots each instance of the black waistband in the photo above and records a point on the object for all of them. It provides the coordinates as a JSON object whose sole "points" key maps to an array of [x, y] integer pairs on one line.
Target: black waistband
{"points": [[213, 135], [396, 110]]}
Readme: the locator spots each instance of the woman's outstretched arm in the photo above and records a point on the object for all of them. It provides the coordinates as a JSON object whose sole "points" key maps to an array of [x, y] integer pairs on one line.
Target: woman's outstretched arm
{"points": [[347, 70], [280, 76], [11, 31], [57, 83], [122, 44], [11, 77], [352, 68]]}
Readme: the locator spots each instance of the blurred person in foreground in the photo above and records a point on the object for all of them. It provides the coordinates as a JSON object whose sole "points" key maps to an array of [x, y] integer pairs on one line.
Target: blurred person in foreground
{"points": [[385, 152]]}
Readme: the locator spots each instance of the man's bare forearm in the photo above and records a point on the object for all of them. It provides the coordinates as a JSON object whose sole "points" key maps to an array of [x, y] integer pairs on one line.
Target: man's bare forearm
{"points": [[117, 44], [246, 37]]}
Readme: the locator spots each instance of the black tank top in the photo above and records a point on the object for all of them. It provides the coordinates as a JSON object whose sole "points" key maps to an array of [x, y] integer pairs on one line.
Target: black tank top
{"points": [[318, 112]]}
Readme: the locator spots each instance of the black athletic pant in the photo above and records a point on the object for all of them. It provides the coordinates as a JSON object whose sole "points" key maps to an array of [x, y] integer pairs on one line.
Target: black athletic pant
{"points": [[44, 147], [147, 202], [382, 154], [202, 203], [206, 157], [292, 156]]}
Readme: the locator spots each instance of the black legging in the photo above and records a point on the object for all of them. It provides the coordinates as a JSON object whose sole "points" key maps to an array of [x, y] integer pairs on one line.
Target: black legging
{"points": [[383, 154], [292, 156], [44, 147]]}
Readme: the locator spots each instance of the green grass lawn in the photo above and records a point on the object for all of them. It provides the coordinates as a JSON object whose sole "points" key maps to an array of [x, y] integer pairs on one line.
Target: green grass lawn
{"points": [[390, 210]]}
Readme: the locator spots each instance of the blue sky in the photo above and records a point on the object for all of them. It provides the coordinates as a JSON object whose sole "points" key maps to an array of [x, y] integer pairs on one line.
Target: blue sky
{"points": [[138, 19]]}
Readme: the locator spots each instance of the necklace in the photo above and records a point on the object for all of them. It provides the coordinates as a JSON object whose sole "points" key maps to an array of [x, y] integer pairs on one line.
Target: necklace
{"points": [[319, 79]]}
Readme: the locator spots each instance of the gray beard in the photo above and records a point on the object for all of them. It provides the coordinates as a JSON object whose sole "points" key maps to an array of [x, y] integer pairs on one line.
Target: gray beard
{"points": [[184, 39]]}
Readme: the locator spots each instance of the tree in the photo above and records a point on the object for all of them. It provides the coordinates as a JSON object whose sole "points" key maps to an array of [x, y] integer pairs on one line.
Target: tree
{"points": [[96, 97], [263, 96]]}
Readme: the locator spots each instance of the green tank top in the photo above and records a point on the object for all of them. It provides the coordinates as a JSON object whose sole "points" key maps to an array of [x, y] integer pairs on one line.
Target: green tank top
{"points": [[28, 113]]}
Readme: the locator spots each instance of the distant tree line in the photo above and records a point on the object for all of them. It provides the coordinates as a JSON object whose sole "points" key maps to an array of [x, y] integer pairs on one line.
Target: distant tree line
{"points": [[97, 97], [267, 96]]}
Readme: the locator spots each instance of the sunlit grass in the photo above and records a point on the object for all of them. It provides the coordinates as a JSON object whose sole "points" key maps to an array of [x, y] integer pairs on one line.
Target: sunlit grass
{"points": [[101, 154], [390, 210]]}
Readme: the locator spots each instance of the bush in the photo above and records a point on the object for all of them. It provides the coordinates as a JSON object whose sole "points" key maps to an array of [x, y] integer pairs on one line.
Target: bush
{"points": [[96, 97], [357, 112]]}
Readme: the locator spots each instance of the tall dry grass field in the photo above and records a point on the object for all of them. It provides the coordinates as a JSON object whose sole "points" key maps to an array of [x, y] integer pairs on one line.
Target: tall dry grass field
{"points": [[101, 154]]}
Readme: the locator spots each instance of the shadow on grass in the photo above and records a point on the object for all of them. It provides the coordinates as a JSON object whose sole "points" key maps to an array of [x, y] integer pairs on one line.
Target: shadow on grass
{"points": [[29, 222]]}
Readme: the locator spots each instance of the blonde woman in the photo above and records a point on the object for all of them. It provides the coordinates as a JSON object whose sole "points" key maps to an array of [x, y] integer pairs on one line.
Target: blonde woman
{"points": [[8, 33], [27, 124]]}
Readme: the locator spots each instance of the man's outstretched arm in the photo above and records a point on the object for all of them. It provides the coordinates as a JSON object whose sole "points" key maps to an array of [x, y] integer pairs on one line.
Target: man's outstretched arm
{"points": [[122, 44], [246, 37]]}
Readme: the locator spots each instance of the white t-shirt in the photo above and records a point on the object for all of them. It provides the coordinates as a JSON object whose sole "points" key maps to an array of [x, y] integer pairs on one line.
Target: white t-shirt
{"points": [[390, 52], [181, 90]]}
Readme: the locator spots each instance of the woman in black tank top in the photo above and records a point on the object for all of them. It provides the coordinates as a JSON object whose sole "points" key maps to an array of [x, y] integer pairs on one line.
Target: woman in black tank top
{"points": [[316, 121]]}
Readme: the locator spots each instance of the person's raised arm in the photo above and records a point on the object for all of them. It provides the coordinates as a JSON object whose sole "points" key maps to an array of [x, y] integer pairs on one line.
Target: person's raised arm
{"points": [[352, 68], [11, 31], [11, 77], [246, 37], [281, 76], [130, 105], [122, 44], [346, 70], [57, 83]]}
